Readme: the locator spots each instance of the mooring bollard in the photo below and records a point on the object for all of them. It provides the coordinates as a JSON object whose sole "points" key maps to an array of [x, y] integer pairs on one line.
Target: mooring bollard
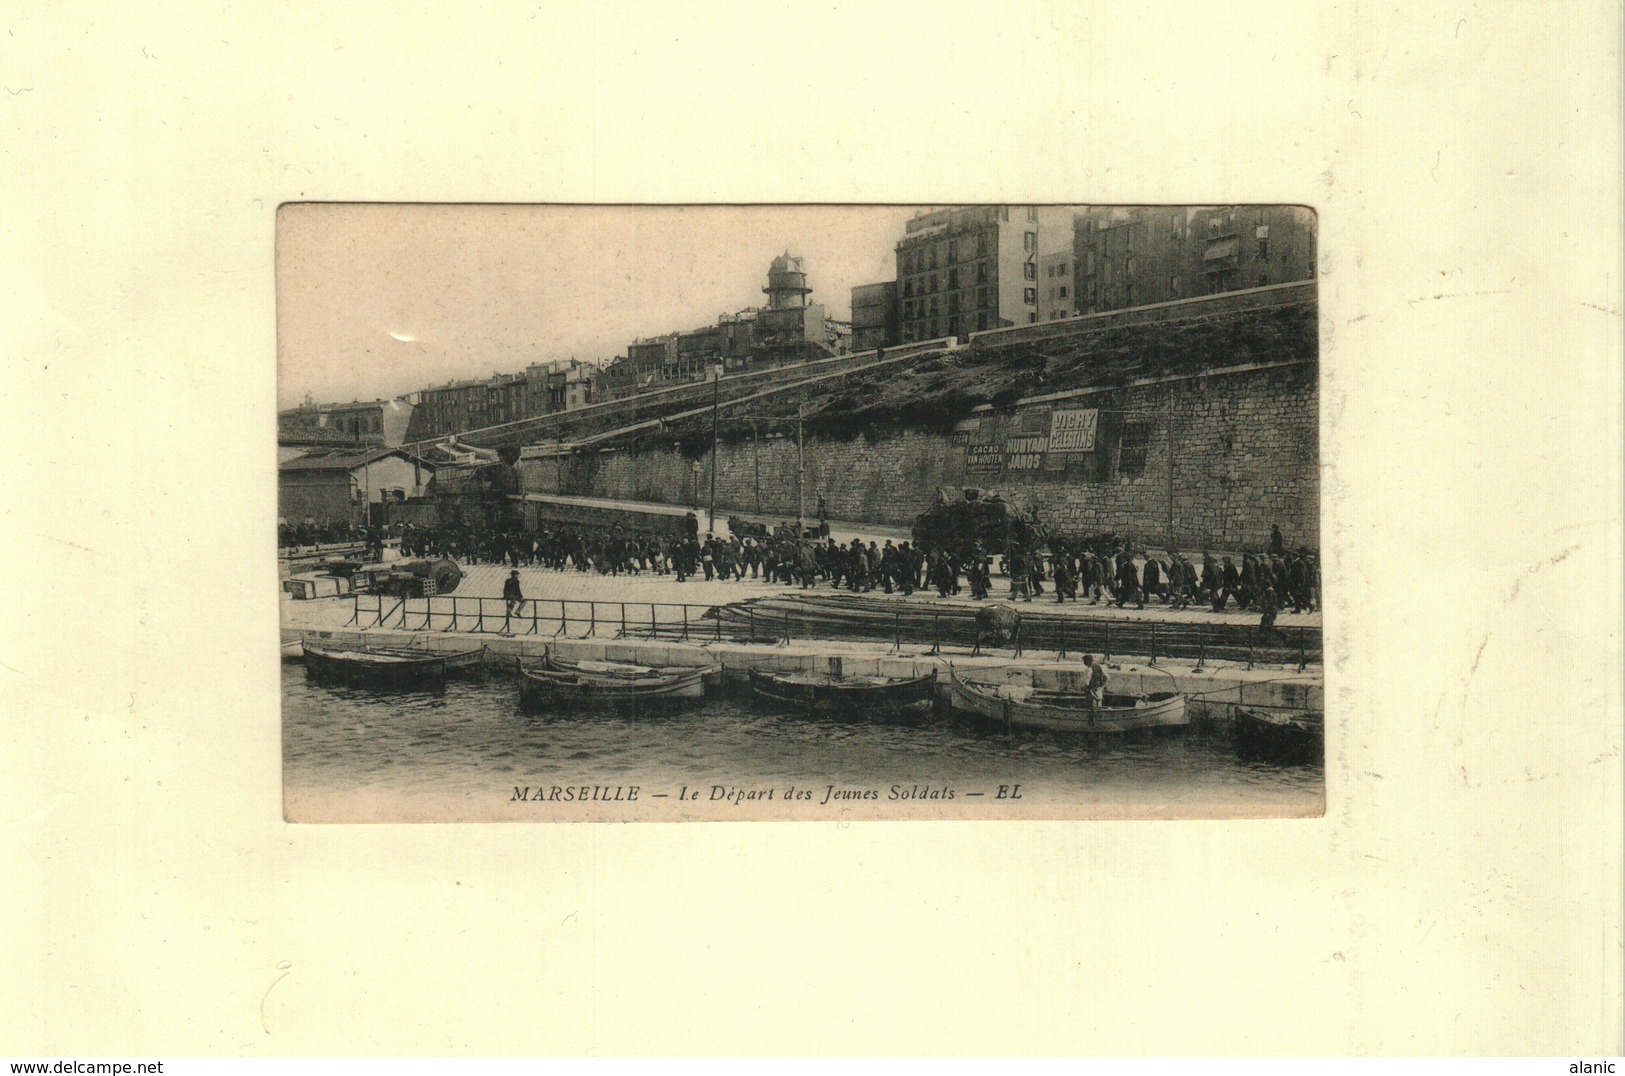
{"points": [[897, 633], [936, 635]]}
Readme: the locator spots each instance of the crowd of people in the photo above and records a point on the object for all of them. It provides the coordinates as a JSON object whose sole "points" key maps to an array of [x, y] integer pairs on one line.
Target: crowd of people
{"points": [[1265, 582]]}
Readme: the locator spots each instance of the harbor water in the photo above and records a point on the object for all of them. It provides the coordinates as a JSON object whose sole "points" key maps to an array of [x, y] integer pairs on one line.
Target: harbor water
{"points": [[464, 751]]}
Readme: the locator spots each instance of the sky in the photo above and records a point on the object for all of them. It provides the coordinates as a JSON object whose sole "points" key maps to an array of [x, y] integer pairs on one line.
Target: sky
{"points": [[379, 300]]}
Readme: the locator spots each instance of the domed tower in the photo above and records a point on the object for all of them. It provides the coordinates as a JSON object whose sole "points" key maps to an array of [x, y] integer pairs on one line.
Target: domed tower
{"points": [[786, 283]]}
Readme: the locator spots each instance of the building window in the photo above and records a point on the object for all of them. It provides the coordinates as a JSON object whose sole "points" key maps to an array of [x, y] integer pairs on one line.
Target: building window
{"points": [[1263, 248], [1029, 271], [1060, 270], [981, 296], [1032, 212], [1029, 241], [1029, 296], [981, 272], [953, 326], [1063, 291], [981, 320], [981, 244], [953, 279], [953, 251], [1132, 451]]}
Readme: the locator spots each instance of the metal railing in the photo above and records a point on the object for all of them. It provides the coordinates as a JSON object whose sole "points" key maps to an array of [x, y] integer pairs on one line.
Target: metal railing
{"points": [[746, 623], [547, 617]]}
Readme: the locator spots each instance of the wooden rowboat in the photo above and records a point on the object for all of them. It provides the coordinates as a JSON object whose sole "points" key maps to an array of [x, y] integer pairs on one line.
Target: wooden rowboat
{"points": [[546, 689], [388, 665], [1064, 711], [1288, 737], [293, 651], [844, 695], [711, 674]]}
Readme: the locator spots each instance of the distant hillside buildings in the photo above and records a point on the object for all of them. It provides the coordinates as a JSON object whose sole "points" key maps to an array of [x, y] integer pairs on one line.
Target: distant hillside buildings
{"points": [[959, 270], [790, 329], [966, 269]]}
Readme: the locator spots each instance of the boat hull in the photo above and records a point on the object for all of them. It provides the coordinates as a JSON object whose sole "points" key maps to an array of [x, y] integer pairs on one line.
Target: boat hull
{"points": [[1065, 711], [1294, 738], [710, 675], [387, 666], [847, 697], [545, 691]]}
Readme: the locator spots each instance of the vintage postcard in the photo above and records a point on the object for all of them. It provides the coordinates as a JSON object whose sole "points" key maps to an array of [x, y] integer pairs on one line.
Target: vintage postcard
{"points": [[632, 513]]}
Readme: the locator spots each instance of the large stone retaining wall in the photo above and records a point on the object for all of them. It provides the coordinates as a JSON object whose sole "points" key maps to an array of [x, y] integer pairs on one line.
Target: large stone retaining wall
{"points": [[1245, 447]]}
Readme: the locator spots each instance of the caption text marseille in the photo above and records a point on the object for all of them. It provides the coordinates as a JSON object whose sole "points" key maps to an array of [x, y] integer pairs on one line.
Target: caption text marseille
{"points": [[731, 794]]}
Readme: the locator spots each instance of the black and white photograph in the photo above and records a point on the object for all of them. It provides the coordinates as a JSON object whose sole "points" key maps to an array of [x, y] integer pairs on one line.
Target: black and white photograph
{"points": [[585, 534], [799, 512]]}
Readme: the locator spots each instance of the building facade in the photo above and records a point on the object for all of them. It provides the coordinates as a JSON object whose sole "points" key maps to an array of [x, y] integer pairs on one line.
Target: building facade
{"points": [[1253, 246], [965, 269], [348, 488], [874, 316], [381, 422], [564, 385], [1137, 255], [1057, 291]]}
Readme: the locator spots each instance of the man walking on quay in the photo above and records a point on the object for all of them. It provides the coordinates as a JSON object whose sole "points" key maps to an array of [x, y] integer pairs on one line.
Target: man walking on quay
{"points": [[515, 599]]}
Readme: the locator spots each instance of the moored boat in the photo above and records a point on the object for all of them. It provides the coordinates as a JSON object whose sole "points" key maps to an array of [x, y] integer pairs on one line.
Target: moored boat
{"points": [[293, 651], [710, 674], [853, 696], [541, 688], [1288, 737], [389, 665], [1020, 706]]}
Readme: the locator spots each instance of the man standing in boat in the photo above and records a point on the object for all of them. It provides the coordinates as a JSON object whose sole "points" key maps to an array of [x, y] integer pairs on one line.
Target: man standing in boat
{"points": [[515, 599], [1094, 691]]}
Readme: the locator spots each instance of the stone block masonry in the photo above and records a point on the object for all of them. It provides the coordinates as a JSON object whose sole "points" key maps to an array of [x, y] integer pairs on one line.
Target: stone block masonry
{"points": [[1245, 455]]}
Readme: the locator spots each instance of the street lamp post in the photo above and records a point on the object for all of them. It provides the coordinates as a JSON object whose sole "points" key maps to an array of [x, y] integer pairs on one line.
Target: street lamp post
{"points": [[801, 473], [716, 402]]}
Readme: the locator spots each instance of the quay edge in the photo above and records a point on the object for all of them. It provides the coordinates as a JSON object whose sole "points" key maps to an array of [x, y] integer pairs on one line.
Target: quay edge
{"points": [[1214, 691]]}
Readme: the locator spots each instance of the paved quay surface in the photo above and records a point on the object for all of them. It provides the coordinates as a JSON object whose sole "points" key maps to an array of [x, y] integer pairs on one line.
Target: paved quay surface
{"points": [[546, 586], [486, 580]]}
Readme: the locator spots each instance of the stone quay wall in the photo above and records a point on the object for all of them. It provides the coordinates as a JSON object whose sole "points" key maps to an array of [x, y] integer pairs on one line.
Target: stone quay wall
{"points": [[1245, 449]]}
